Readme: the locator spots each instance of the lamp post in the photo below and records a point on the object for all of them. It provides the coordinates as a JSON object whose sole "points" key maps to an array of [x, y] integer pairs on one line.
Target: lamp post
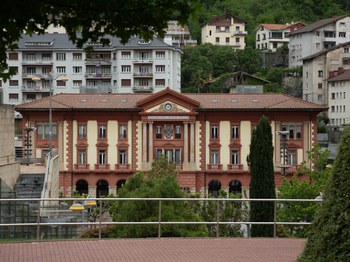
{"points": [[284, 135], [51, 77]]}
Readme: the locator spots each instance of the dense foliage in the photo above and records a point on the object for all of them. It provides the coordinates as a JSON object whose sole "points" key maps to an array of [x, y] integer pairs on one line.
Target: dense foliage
{"points": [[262, 184], [313, 184], [329, 239]]}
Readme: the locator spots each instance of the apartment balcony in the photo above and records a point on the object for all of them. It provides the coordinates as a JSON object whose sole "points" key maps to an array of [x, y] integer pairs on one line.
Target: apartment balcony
{"points": [[143, 89], [82, 168], [37, 62], [143, 75], [122, 168], [214, 167], [234, 33], [232, 168], [35, 89], [143, 60], [98, 61], [102, 168], [98, 75], [292, 169]]}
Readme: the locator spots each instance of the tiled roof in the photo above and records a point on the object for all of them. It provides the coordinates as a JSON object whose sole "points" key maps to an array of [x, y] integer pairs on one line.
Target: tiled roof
{"points": [[276, 26], [325, 51], [340, 77], [207, 102], [314, 26]]}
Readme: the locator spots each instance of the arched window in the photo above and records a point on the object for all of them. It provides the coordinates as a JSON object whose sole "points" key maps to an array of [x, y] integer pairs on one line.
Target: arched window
{"points": [[82, 187], [102, 188], [120, 184], [214, 187], [235, 187]]}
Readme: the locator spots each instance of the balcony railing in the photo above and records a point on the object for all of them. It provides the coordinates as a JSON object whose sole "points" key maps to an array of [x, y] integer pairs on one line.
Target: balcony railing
{"points": [[142, 74], [214, 167], [239, 33], [37, 89], [122, 167], [82, 167], [98, 75], [233, 167], [143, 88], [102, 167]]}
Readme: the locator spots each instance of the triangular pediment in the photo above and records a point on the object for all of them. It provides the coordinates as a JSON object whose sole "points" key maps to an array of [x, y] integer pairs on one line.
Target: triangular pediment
{"points": [[168, 101]]}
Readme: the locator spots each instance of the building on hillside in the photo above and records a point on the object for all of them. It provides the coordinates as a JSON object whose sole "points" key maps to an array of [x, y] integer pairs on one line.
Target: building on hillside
{"points": [[103, 139], [271, 36], [225, 30], [315, 37], [339, 97], [316, 70], [178, 35], [138, 66]]}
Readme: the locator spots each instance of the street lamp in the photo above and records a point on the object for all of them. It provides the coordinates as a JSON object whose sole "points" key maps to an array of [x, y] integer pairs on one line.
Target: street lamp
{"points": [[284, 135], [51, 77]]}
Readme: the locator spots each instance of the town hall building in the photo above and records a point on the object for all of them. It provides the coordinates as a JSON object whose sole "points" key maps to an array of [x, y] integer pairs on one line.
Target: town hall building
{"points": [[102, 139]]}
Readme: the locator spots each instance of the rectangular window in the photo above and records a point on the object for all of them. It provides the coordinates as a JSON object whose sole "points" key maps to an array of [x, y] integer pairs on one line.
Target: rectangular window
{"points": [[320, 73], [77, 83], [82, 131], [61, 56], [214, 132], [234, 157], [122, 157], [13, 97], [160, 68], [294, 130], [237, 39], [13, 82], [82, 156], [102, 132], [122, 132], [227, 40], [159, 152], [61, 69], [177, 156], [160, 82], [214, 157], [160, 54], [44, 131], [234, 132], [126, 68], [14, 69], [60, 83], [292, 160], [177, 132], [217, 39], [102, 157], [319, 85], [158, 132], [31, 97], [77, 69], [13, 56], [126, 82], [77, 56], [126, 55]]}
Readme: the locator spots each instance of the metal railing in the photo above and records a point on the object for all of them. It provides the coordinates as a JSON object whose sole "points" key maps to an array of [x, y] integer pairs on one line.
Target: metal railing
{"points": [[100, 202]]}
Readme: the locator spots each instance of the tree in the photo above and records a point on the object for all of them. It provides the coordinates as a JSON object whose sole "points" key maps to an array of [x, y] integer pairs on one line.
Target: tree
{"points": [[88, 20], [262, 184], [329, 239], [309, 188], [160, 184]]}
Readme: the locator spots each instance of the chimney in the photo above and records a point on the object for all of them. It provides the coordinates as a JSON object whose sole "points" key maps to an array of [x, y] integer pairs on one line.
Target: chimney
{"points": [[331, 74]]}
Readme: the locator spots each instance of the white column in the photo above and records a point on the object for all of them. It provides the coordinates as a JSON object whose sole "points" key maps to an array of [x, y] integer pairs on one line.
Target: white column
{"points": [[150, 137], [144, 142], [185, 142], [192, 142]]}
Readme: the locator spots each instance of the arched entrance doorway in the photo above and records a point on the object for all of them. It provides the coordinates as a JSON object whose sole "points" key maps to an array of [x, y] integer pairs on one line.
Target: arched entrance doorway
{"points": [[120, 183], [102, 188], [235, 187], [214, 187], [82, 187]]}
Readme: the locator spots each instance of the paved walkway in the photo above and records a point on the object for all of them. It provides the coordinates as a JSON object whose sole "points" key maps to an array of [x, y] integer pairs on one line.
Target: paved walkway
{"points": [[156, 250]]}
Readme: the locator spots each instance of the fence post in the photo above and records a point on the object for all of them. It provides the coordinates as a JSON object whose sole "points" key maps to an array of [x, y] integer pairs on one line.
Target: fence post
{"points": [[99, 225], [217, 218], [159, 218], [274, 218], [38, 222]]}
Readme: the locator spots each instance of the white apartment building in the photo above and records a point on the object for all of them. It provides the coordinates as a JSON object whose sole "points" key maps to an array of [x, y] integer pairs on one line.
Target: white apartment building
{"points": [[316, 70], [178, 35], [315, 37], [272, 36], [339, 97], [136, 67], [225, 30]]}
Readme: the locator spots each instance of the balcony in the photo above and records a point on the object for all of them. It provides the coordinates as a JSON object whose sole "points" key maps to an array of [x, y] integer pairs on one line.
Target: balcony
{"points": [[214, 167], [142, 74], [234, 33], [35, 89], [231, 167], [82, 168], [98, 61], [98, 75], [143, 89], [122, 167], [37, 62], [102, 168], [143, 60]]}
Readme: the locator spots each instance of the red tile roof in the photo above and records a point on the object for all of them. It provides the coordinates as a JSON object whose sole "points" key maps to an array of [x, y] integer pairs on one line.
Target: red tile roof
{"points": [[207, 102]]}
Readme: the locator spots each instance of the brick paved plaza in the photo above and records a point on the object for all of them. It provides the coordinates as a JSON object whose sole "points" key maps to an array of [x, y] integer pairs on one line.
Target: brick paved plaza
{"points": [[153, 249]]}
